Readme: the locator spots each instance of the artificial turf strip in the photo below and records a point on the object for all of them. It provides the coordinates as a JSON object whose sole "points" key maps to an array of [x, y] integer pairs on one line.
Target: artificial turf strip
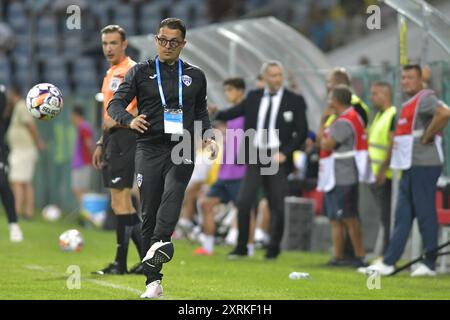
{"points": [[35, 269]]}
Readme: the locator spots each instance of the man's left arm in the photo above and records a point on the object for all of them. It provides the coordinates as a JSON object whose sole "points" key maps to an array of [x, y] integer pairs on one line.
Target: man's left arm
{"points": [[201, 106], [201, 113], [439, 121]]}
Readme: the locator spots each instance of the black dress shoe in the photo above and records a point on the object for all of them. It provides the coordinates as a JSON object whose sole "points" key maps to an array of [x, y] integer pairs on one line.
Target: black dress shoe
{"points": [[238, 253], [271, 254], [338, 263], [112, 268]]}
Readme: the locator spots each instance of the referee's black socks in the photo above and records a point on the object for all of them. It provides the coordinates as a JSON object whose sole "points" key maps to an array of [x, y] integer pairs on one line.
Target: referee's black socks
{"points": [[128, 226]]}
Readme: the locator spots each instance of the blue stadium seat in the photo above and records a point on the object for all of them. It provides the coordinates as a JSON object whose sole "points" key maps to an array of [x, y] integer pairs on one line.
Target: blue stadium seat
{"points": [[180, 10], [101, 10], [23, 69], [22, 46], [47, 27], [16, 17], [55, 72], [150, 16], [84, 74], [72, 46], [5, 70], [123, 15]]}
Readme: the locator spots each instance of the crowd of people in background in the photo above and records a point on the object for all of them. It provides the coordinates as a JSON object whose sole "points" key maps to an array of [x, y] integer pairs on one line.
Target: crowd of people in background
{"points": [[218, 209], [211, 214], [234, 202]]}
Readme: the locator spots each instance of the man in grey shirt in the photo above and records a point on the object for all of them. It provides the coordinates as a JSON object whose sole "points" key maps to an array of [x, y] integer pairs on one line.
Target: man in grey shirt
{"points": [[341, 202], [417, 190], [425, 154], [345, 169]]}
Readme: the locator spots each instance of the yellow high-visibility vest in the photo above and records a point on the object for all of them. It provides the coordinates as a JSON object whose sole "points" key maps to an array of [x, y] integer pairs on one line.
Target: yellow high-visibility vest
{"points": [[379, 139], [355, 100]]}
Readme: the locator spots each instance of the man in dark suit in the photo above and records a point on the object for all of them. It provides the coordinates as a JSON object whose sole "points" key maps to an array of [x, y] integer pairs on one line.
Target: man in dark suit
{"points": [[276, 125]]}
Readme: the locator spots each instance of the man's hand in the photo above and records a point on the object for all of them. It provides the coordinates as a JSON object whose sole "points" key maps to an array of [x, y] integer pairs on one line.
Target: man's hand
{"points": [[97, 158], [381, 177], [329, 111], [213, 149], [425, 140], [41, 145], [212, 109], [108, 123], [139, 124], [279, 157]]}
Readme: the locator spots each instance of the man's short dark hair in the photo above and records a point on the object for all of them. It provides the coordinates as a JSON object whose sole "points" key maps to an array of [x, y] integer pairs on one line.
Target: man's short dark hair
{"points": [[413, 67], [115, 28], [16, 89], [78, 111], [383, 84], [175, 24], [341, 76], [343, 94], [237, 83]]}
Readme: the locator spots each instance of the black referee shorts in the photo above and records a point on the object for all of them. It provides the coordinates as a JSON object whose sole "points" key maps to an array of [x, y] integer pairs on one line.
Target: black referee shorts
{"points": [[119, 150]]}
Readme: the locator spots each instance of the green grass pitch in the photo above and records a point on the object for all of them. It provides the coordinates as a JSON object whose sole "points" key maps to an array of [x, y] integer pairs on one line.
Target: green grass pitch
{"points": [[36, 269]]}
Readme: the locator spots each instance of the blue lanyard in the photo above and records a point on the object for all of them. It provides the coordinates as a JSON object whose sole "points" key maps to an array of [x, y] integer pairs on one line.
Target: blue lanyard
{"points": [[180, 84]]}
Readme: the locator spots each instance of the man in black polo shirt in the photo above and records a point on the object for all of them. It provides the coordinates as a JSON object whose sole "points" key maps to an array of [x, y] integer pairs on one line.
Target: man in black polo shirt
{"points": [[171, 95]]}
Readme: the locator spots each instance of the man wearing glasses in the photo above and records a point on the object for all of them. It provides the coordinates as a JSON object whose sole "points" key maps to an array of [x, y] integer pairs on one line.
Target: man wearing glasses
{"points": [[171, 95]]}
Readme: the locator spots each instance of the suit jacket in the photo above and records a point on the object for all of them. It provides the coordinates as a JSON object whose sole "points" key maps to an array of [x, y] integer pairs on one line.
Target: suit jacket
{"points": [[291, 120]]}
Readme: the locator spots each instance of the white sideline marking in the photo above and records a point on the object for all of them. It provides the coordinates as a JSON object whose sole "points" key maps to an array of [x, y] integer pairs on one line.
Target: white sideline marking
{"points": [[102, 283]]}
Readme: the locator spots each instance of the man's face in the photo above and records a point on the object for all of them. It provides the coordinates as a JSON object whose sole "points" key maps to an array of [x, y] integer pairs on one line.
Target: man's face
{"points": [[233, 94], [113, 47], [332, 103], [411, 82], [73, 118], [169, 43], [273, 77], [378, 96], [330, 83]]}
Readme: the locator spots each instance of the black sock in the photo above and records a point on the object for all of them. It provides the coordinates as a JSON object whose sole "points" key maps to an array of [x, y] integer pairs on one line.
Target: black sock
{"points": [[122, 242], [134, 231], [8, 202]]}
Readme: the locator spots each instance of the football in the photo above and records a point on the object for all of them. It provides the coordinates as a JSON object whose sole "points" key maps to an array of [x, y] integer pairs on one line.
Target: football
{"points": [[71, 240], [44, 101], [51, 212]]}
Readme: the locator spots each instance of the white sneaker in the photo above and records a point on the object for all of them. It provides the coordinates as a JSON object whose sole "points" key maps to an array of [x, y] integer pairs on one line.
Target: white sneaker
{"points": [[154, 290], [378, 267], [15, 234], [376, 262], [422, 271], [159, 253]]}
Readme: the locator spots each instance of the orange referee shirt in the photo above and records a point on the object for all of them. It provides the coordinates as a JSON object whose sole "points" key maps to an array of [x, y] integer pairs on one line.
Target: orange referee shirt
{"points": [[114, 77]]}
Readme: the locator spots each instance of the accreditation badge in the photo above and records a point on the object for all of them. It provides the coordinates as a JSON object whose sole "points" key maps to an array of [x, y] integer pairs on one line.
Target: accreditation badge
{"points": [[173, 121]]}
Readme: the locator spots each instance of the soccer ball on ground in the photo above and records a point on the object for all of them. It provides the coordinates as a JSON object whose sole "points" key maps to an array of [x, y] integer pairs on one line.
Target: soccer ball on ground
{"points": [[71, 240], [44, 101], [51, 212]]}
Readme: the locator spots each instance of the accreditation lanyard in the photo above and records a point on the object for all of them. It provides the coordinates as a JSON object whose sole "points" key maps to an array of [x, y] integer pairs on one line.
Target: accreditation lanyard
{"points": [[180, 84], [173, 117]]}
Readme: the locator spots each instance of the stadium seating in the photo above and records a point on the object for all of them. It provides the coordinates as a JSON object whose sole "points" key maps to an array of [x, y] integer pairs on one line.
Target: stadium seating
{"points": [[125, 17], [55, 71], [85, 75], [149, 16], [5, 70], [53, 39]]}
